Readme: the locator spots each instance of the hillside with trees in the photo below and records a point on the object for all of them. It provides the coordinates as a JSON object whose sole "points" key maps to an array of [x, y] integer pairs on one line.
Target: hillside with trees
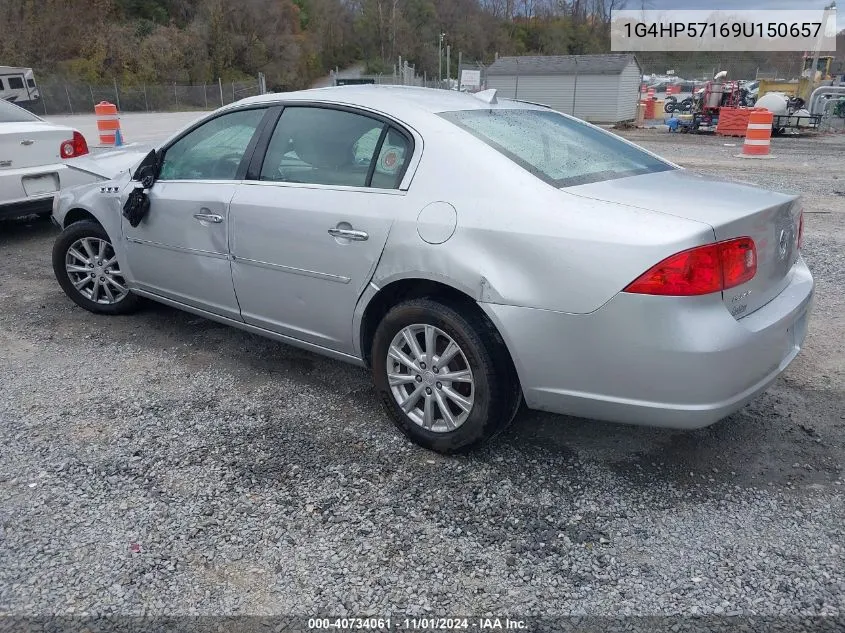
{"points": [[295, 41], [291, 41]]}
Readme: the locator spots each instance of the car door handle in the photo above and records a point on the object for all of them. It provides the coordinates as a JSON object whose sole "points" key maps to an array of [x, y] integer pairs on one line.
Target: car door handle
{"points": [[209, 217], [350, 234]]}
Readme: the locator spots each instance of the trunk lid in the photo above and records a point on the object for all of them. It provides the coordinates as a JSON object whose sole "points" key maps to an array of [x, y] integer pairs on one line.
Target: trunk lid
{"points": [[110, 164], [31, 144], [733, 210]]}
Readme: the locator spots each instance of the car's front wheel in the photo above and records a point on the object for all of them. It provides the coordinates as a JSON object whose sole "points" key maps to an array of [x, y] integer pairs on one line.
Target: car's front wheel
{"points": [[444, 374], [86, 267]]}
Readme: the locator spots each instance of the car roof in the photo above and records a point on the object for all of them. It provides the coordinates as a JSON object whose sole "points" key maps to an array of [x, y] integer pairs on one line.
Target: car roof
{"points": [[399, 101]]}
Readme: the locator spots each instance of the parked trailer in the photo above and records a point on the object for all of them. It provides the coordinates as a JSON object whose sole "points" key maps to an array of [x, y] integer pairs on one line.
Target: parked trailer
{"points": [[783, 122], [18, 84]]}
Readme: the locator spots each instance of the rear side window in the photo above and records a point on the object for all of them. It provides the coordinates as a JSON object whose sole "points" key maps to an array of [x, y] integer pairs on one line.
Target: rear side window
{"points": [[15, 83], [561, 151], [10, 113], [392, 158], [325, 146]]}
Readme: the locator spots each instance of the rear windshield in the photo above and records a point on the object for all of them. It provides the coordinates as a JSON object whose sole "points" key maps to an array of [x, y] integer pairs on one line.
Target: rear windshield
{"points": [[561, 151], [10, 113]]}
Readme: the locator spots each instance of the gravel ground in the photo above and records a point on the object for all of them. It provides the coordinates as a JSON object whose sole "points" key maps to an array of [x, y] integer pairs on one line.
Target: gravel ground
{"points": [[165, 464]]}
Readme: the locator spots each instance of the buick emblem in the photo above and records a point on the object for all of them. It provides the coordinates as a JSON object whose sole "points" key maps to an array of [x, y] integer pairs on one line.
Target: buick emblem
{"points": [[783, 243]]}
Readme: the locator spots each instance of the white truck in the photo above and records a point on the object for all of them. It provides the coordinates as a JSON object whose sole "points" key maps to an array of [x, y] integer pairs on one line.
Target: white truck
{"points": [[18, 84]]}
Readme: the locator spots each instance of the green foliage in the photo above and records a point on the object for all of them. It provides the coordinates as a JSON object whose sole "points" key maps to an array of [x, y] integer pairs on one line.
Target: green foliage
{"points": [[294, 42], [86, 70], [302, 6], [377, 66], [144, 28], [156, 11]]}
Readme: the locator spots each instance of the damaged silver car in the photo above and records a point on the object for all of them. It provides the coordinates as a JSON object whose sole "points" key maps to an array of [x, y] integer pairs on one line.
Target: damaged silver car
{"points": [[474, 252]]}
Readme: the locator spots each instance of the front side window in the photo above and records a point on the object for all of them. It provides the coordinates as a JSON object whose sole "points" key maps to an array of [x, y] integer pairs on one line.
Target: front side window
{"points": [[214, 150], [561, 151], [15, 83], [333, 147]]}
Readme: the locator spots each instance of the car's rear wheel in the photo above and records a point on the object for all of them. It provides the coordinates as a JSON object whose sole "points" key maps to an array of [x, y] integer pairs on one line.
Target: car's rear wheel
{"points": [[86, 267], [444, 375]]}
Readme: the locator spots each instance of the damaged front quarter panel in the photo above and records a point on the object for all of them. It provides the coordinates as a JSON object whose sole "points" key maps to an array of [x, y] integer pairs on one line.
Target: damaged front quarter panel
{"points": [[102, 200]]}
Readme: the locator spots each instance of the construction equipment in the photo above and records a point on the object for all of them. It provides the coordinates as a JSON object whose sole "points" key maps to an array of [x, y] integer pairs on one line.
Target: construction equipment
{"points": [[822, 67], [788, 112], [800, 87]]}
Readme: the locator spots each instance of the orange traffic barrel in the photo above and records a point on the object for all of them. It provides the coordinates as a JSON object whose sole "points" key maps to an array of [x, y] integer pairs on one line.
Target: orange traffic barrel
{"points": [[651, 93], [758, 134], [649, 109], [108, 122]]}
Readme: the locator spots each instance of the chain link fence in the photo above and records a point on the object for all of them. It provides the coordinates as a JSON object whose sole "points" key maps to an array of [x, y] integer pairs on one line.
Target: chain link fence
{"points": [[67, 97], [406, 75]]}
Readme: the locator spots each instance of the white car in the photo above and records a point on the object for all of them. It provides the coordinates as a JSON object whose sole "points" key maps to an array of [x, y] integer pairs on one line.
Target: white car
{"points": [[33, 155]]}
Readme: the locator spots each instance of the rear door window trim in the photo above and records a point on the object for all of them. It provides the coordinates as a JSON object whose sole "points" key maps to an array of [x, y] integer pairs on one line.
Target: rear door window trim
{"points": [[254, 170]]}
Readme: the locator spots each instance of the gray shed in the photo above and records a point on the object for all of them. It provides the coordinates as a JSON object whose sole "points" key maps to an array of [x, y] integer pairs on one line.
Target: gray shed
{"points": [[596, 88]]}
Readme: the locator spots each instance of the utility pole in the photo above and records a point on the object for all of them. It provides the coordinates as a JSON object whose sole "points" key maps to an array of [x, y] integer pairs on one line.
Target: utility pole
{"points": [[817, 51], [440, 58], [448, 64], [460, 62]]}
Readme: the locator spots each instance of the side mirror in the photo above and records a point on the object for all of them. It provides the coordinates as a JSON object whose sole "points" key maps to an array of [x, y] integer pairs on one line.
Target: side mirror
{"points": [[147, 171]]}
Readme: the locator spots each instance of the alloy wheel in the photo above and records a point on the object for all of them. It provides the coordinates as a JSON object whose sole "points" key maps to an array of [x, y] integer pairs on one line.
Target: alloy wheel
{"points": [[92, 268], [430, 378]]}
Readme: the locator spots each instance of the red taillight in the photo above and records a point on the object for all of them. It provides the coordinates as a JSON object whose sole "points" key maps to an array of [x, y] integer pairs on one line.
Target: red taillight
{"points": [[74, 147], [700, 270], [801, 230]]}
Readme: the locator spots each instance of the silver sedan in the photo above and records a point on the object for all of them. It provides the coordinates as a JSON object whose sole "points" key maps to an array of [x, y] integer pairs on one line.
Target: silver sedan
{"points": [[474, 252]]}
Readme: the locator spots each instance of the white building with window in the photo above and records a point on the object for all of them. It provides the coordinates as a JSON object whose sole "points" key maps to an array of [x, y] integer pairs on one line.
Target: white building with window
{"points": [[596, 88]]}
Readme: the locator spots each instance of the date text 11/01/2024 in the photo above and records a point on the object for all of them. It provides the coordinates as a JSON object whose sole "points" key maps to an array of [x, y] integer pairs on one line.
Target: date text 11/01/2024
{"points": [[415, 624]]}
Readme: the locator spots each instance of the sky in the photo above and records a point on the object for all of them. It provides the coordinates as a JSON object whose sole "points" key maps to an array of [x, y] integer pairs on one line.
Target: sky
{"points": [[744, 4]]}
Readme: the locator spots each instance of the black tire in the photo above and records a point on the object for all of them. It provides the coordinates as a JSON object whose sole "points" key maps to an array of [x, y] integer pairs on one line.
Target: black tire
{"points": [[497, 393], [64, 241], [669, 107]]}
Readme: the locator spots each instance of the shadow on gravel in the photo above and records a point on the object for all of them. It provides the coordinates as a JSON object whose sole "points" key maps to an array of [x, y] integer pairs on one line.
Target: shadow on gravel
{"points": [[14, 231], [787, 436]]}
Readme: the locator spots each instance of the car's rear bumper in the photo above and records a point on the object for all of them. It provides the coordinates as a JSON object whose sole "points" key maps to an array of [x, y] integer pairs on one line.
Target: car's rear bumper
{"points": [[679, 362], [31, 206], [17, 200]]}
